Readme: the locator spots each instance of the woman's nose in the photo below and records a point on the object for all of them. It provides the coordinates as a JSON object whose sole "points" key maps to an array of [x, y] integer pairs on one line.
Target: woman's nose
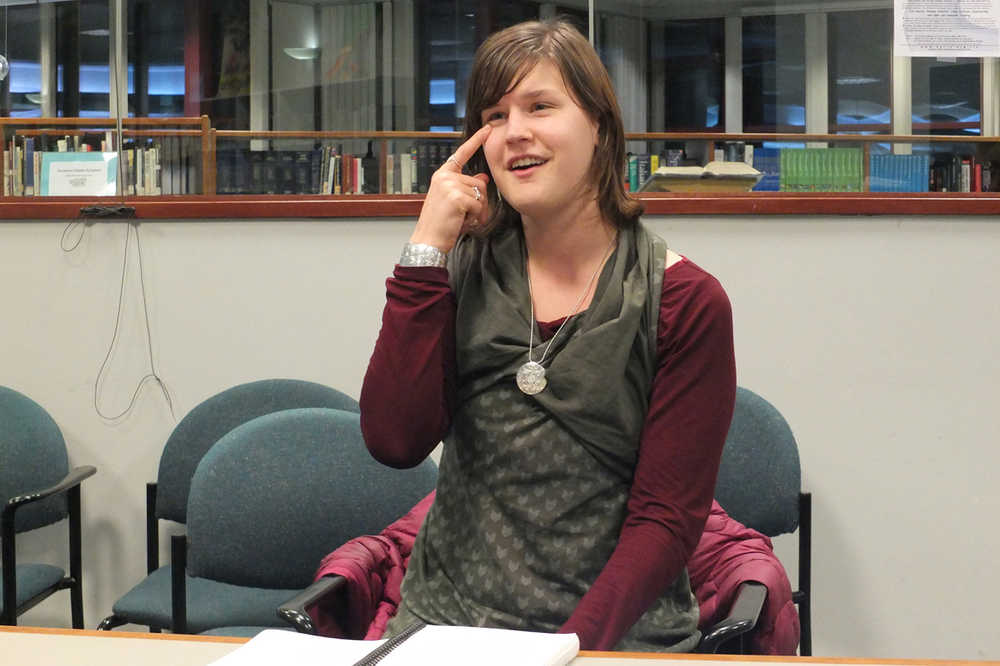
{"points": [[518, 127]]}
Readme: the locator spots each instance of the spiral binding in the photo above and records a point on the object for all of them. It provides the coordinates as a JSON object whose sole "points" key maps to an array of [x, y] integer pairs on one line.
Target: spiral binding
{"points": [[380, 653]]}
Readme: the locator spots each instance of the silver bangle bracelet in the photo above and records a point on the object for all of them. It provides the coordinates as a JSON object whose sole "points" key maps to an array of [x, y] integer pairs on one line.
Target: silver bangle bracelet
{"points": [[420, 254]]}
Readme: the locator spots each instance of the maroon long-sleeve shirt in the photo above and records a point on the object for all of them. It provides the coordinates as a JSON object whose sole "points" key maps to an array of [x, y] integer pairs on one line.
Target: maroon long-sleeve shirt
{"points": [[408, 398]]}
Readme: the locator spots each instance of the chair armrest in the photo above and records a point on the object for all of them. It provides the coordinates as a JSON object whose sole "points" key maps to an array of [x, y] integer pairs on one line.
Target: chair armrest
{"points": [[71, 480], [294, 612], [742, 617]]}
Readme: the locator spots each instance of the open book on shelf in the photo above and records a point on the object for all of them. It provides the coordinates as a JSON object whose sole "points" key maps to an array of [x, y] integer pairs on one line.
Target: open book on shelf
{"points": [[431, 645], [715, 176]]}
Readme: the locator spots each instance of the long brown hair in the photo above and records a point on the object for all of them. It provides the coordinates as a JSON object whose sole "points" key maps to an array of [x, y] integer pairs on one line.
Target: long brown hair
{"points": [[505, 58]]}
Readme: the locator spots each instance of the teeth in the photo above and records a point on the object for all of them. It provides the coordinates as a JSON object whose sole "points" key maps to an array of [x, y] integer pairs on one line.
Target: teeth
{"points": [[526, 162]]}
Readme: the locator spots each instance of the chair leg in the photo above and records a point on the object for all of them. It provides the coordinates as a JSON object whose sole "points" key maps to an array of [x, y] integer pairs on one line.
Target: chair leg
{"points": [[8, 565], [76, 605], [75, 558], [178, 583], [805, 573], [805, 639]]}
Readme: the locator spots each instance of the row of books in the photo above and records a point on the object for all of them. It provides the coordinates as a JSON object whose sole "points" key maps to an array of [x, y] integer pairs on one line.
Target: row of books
{"points": [[821, 170], [899, 173], [329, 169], [963, 173], [837, 169], [164, 165], [841, 170], [640, 166], [23, 157], [172, 165]]}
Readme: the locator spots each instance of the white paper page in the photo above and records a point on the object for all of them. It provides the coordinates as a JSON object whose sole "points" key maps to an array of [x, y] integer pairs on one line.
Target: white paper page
{"points": [[946, 28], [274, 646], [431, 646]]}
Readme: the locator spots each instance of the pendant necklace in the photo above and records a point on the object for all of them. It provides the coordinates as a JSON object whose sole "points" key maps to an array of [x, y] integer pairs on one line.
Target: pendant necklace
{"points": [[531, 375]]}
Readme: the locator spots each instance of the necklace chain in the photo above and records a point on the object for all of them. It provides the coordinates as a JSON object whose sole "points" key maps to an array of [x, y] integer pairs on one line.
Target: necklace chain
{"points": [[576, 308]]}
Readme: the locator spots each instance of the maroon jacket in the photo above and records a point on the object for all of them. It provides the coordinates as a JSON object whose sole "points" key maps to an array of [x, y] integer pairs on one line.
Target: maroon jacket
{"points": [[727, 555]]}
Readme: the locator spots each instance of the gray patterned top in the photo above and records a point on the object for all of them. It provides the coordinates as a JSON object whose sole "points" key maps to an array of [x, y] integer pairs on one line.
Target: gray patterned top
{"points": [[532, 490]]}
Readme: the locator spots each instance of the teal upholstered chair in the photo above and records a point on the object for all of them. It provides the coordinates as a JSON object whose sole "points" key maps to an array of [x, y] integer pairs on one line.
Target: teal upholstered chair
{"points": [[760, 485], [269, 500], [148, 602], [37, 488]]}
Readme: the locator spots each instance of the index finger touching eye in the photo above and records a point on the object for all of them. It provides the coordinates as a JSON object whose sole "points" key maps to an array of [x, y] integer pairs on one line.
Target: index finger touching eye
{"points": [[469, 148]]}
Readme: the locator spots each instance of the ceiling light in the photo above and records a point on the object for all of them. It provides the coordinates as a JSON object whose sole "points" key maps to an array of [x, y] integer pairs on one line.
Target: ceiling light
{"points": [[856, 80], [303, 52]]}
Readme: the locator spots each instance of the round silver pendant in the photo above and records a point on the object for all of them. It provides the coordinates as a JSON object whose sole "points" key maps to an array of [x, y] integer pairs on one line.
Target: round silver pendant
{"points": [[531, 378]]}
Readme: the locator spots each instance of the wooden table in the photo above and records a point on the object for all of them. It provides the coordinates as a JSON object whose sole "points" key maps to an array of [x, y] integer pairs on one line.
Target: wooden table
{"points": [[36, 646]]}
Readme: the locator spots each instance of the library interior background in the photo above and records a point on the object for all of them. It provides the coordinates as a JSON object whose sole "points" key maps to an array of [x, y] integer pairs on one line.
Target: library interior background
{"points": [[229, 97]]}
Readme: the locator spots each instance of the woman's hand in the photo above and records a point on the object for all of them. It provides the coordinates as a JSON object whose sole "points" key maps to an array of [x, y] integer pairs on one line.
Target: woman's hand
{"points": [[454, 200]]}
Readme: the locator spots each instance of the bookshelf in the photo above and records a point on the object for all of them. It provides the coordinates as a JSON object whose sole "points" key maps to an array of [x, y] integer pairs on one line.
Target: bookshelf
{"points": [[203, 172], [163, 155]]}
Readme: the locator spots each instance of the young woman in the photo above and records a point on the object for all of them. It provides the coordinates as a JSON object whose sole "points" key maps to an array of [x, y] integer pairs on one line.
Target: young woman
{"points": [[580, 374]]}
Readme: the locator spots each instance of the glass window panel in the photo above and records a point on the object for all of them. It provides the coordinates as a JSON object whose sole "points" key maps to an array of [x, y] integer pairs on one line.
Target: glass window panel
{"points": [[59, 55], [449, 33], [774, 90], [156, 60], [860, 67], [946, 96], [92, 57], [307, 66], [688, 56], [22, 89]]}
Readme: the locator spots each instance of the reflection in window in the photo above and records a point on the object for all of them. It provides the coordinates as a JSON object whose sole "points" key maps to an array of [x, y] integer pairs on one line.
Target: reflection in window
{"points": [[156, 61], [23, 86], [774, 77], [860, 66], [690, 54], [450, 32], [73, 80], [82, 86], [946, 96]]}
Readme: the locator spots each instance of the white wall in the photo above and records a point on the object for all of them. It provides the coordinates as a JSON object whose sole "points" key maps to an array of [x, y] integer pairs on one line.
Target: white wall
{"points": [[874, 336]]}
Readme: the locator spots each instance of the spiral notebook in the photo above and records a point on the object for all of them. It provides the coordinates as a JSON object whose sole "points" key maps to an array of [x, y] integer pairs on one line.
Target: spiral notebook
{"points": [[431, 645]]}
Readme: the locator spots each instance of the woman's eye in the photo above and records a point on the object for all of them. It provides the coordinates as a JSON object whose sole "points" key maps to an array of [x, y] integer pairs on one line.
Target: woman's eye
{"points": [[494, 115], [539, 106]]}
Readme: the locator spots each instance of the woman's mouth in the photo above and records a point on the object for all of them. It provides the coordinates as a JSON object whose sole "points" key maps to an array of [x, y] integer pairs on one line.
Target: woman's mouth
{"points": [[524, 164]]}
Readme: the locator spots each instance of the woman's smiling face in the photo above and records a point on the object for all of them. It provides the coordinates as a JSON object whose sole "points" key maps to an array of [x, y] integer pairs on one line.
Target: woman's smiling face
{"points": [[542, 144]]}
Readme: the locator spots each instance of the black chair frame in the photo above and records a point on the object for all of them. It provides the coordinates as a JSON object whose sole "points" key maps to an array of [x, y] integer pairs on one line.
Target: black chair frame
{"points": [[152, 555], [70, 486], [803, 596], [292, 611]]}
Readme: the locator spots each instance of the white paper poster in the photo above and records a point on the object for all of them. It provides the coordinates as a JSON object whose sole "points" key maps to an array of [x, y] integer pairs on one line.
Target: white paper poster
{"points": [[946, 28], [79, 174]]}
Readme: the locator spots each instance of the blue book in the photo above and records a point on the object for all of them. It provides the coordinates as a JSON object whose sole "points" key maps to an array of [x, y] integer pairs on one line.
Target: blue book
{"points": [[29, 166], [768, 162]]}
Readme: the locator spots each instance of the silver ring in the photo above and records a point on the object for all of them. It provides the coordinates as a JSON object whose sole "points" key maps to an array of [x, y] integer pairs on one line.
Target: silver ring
{"points": [[479, 195]]}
